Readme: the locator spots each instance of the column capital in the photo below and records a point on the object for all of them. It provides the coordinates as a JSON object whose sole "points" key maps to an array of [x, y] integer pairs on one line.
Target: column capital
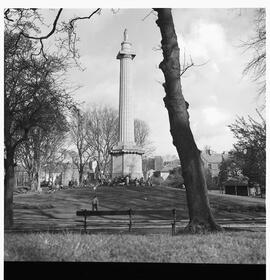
{"points": [[122, 54], [126, 50]]}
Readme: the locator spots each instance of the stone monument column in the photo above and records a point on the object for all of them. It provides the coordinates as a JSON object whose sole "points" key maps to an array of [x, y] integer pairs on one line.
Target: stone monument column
{"points": [[126, 119], [126, 156]]}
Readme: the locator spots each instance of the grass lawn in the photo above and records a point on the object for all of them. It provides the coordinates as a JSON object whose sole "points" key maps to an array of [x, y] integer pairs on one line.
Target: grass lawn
{"points": [[58, 210], [227, 247]]}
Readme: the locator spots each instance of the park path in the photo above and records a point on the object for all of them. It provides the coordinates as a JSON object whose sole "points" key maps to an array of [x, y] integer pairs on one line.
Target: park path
{"points": [[240, 197], [232, 197]]}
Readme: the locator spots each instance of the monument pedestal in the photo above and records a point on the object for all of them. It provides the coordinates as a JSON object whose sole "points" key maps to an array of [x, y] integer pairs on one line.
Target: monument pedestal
{"points": [[127, 160]]}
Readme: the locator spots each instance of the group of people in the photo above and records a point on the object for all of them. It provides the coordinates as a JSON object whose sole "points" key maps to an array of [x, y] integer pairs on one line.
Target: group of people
{"points": [[53, 185], [73, 183], [127, 181], [142, 182], [122, 181]]}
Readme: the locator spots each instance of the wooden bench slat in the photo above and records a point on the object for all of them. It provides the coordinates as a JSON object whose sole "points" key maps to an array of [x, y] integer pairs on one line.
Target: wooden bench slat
{"points": [[100, 222], [122, 212], [152, 212], [102, 213]]}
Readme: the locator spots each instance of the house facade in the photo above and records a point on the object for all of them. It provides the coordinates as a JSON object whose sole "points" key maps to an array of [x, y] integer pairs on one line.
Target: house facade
{"points": [[212, 161]]}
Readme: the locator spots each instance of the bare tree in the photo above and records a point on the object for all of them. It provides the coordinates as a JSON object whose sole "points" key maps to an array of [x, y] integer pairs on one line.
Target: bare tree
{"points": [[250, 149], [78, 138], [27, 23], [201, 218], [33, 98], [141, 134], [102, 134], [41, 148], [257, 45]]}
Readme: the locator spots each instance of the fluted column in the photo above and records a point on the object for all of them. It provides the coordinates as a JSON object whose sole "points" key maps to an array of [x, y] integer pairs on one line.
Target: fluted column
{"points": [[126, 118], [126, 156]]}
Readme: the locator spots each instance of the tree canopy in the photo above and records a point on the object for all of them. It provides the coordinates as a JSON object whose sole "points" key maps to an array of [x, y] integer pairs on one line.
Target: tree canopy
{"points": [[32, 95], [33, 99], [250, 149], [256, 44]]}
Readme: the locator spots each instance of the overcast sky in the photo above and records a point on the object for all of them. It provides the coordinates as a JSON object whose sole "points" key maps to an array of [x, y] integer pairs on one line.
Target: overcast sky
{"points": [[217, 92]]}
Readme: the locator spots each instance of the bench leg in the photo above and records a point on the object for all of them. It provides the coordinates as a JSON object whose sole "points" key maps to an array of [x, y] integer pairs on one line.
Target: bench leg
{"points": [[84, 225], [130, 220], [173, 229]]}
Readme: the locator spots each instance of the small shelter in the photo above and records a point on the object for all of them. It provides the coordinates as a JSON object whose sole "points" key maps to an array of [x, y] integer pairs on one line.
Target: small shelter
{"points": [[234, 187]]}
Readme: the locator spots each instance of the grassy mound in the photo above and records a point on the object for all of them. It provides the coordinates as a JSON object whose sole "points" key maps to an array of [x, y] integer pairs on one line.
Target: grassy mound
{"points": [[58, 210], [32, 206]]}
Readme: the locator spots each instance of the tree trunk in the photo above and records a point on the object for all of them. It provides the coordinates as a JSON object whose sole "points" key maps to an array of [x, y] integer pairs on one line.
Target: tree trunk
{"points": [[37, 174], [36, 181], [31, 176], [80, 174], [201, 218], [35, 185], [8, 187]]}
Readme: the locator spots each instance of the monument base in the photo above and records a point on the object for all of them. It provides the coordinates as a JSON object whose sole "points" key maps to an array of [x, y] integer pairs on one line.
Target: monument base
{"points": [[127, 161]]}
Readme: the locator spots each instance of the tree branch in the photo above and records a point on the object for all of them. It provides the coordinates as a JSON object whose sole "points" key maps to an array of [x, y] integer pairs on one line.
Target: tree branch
{"points": [[6, 15], [71, 23], [50, 33], [151, 12], [186, 67]]}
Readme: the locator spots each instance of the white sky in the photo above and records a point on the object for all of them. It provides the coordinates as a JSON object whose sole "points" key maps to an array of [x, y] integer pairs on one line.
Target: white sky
{"points": [[217, 92]]}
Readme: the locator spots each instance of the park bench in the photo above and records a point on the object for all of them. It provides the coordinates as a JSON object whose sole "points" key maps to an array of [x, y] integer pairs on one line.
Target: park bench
{"points": [[131, 214]]}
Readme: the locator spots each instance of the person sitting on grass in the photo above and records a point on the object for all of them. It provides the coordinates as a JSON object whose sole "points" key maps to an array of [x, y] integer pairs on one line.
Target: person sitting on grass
{"points": [[95, 203]]}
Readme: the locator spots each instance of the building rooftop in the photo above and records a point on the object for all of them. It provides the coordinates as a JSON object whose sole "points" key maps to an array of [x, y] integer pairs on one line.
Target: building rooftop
{"points": [[236, 183], [211, 157]]}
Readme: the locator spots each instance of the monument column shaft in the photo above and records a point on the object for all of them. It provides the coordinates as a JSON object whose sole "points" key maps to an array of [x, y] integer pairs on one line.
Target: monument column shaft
{"points": [[126, 156], [126, 119]]}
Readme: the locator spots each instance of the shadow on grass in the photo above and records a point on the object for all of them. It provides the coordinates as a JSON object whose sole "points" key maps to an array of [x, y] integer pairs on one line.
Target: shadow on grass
{"points": [[44, 210]]}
